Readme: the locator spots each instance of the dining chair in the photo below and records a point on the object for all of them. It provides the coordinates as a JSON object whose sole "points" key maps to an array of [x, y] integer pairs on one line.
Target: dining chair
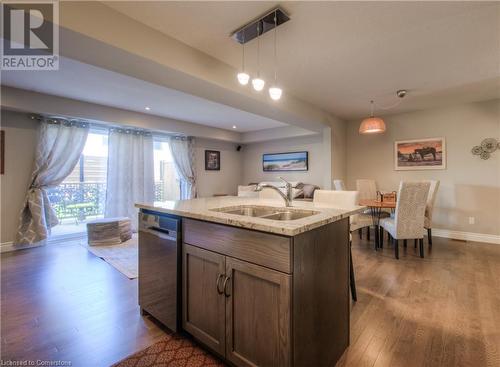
{"points": [[431, 199], [341, 199], [367, 189], [338, 185], [409, 215]]}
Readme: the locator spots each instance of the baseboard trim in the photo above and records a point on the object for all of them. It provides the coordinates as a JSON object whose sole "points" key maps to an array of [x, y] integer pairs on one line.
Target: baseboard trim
{"points": [[56, 240], [466, 236], [9, 246]]}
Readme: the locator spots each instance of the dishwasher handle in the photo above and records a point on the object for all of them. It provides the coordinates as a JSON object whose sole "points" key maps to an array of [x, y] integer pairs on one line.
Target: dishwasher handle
{"points": [[161, 233]]}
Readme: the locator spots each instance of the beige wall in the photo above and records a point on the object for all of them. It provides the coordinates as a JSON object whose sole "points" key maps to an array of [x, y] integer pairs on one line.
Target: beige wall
{"points": [[20, 143], [175, 64], [226, 180], [339, 149], [49, 105], [21, 137], [252, 160], [470, 187]]}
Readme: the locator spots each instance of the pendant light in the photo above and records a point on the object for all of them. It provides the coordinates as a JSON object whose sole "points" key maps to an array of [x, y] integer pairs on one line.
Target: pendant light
{"points": [[275, 91], [243, 77], [258, 83], [372, 124]]}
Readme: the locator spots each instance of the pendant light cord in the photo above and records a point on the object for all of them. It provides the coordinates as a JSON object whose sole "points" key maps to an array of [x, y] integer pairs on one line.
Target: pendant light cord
{"points": [[243, 60], [389, 107], [275, 50], [258, 49]]}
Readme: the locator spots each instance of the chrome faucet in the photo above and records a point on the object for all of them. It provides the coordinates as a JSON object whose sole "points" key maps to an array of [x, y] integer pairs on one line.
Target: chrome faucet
{"points": [[288, 186]]}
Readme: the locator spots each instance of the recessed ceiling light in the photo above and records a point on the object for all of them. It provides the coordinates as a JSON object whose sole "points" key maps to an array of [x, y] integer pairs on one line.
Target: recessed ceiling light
{"points": [[234, 126], [147, 108]]}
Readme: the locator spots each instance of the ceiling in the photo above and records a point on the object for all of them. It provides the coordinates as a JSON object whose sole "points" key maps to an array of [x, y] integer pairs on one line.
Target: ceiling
{"points": [[88, 83], [340, 55]]}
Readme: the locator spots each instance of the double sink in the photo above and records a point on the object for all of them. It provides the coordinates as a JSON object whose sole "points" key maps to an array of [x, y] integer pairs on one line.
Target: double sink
{"points": [[267, 212]]}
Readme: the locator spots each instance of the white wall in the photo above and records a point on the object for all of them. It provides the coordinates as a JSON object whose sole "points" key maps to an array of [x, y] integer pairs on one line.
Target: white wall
{"points": [[339, 149], [49, 105], [252, 160], [470, 187], [21, 137], [226, 180], [20, 144]]}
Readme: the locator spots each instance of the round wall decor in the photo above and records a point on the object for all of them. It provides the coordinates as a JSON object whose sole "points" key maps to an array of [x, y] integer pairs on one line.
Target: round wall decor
{"points": [[488, 146]]}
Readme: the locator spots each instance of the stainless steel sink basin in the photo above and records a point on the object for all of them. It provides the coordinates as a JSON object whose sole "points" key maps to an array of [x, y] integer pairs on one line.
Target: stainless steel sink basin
{"points": [[267, 212]]}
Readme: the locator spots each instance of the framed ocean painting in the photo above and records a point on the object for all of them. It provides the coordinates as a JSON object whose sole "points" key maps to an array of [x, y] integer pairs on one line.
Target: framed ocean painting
{"points": [[294, 161], [420, 154]]}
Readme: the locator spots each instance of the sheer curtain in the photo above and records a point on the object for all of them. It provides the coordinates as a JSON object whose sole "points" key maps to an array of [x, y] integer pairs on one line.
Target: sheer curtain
{"points": [[59, 147], [183, 156], [130, 173]]}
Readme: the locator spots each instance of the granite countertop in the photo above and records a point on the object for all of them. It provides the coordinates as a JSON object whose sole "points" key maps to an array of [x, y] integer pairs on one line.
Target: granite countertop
{"points": [[201, 209]]}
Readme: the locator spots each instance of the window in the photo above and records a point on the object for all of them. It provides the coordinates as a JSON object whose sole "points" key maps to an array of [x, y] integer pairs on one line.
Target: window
{"points": [[167, 184], [81, 196]]}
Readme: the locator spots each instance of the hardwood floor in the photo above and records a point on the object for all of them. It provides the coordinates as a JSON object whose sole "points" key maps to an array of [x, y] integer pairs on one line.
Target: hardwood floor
{"points": [[443, 310], [63, 303]]}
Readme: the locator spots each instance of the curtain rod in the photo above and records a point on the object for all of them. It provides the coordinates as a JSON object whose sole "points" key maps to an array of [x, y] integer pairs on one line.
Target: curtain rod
{"points": [[56, 119]]}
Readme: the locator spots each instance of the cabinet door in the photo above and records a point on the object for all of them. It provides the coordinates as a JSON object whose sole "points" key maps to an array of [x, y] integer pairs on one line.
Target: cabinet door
{"points": [[203, 305], [257, 315]]}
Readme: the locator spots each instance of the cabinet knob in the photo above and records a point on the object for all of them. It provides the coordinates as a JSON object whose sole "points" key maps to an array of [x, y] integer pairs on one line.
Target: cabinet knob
{"points": [[224, 287]]}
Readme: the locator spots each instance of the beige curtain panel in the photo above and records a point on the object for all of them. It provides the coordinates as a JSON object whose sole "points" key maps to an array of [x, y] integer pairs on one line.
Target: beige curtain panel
{"points": [[60, 145], [182, 150], [130, 176]]}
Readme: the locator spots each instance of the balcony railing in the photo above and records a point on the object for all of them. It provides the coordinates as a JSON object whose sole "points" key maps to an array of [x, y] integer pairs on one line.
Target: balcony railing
{"points": [[78, 200], [81, 200], [159, 191]]}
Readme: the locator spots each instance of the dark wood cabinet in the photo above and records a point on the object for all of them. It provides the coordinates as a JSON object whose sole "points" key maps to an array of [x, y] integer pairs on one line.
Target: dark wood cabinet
{"points": [[228, 302], [260, 299], [257, 315], [203, 305]]}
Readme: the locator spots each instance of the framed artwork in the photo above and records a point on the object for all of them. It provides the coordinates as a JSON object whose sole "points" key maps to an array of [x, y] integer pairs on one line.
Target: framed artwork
{"points": [[2, 152], [293, 161], [212, 160], [420, 154]]}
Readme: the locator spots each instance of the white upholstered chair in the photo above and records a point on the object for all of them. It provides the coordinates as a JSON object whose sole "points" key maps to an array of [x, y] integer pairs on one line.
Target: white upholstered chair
{"points": [[247, 191], [340, 199], [336, 199], [270, 194], [338, 185], [408, 220], [343, 199], [431, 199], [367, 189]]}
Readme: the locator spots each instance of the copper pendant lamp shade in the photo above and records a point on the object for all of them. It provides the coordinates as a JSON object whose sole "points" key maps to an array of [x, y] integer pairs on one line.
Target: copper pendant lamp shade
{"points": [[372, 124]]}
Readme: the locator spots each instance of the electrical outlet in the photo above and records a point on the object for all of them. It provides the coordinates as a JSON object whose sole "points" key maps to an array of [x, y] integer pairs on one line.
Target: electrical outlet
{"points": [[472, 220]]}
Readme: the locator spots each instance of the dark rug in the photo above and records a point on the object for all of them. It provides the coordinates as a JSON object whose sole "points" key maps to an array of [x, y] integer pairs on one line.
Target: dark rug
{"points": [[173, 350]]}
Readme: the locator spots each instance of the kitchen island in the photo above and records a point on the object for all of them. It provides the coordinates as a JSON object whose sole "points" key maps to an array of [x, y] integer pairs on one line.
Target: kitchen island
{"points": [[262, 284]]}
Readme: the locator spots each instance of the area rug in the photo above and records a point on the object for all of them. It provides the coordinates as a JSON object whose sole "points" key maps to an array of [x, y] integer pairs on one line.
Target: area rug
{"points": [[123, 257], [174, 350]]}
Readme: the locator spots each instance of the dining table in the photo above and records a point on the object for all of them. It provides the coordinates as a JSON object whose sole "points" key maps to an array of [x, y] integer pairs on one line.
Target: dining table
{"points": [[376, 207]]}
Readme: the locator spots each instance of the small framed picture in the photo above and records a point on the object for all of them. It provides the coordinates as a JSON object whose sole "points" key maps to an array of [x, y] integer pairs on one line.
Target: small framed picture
{"points": [[212, 160], [420, 154]]}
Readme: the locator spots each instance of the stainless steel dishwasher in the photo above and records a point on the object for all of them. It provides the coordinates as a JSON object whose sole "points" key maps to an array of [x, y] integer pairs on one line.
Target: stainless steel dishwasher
{"points": [[159, 267]]}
